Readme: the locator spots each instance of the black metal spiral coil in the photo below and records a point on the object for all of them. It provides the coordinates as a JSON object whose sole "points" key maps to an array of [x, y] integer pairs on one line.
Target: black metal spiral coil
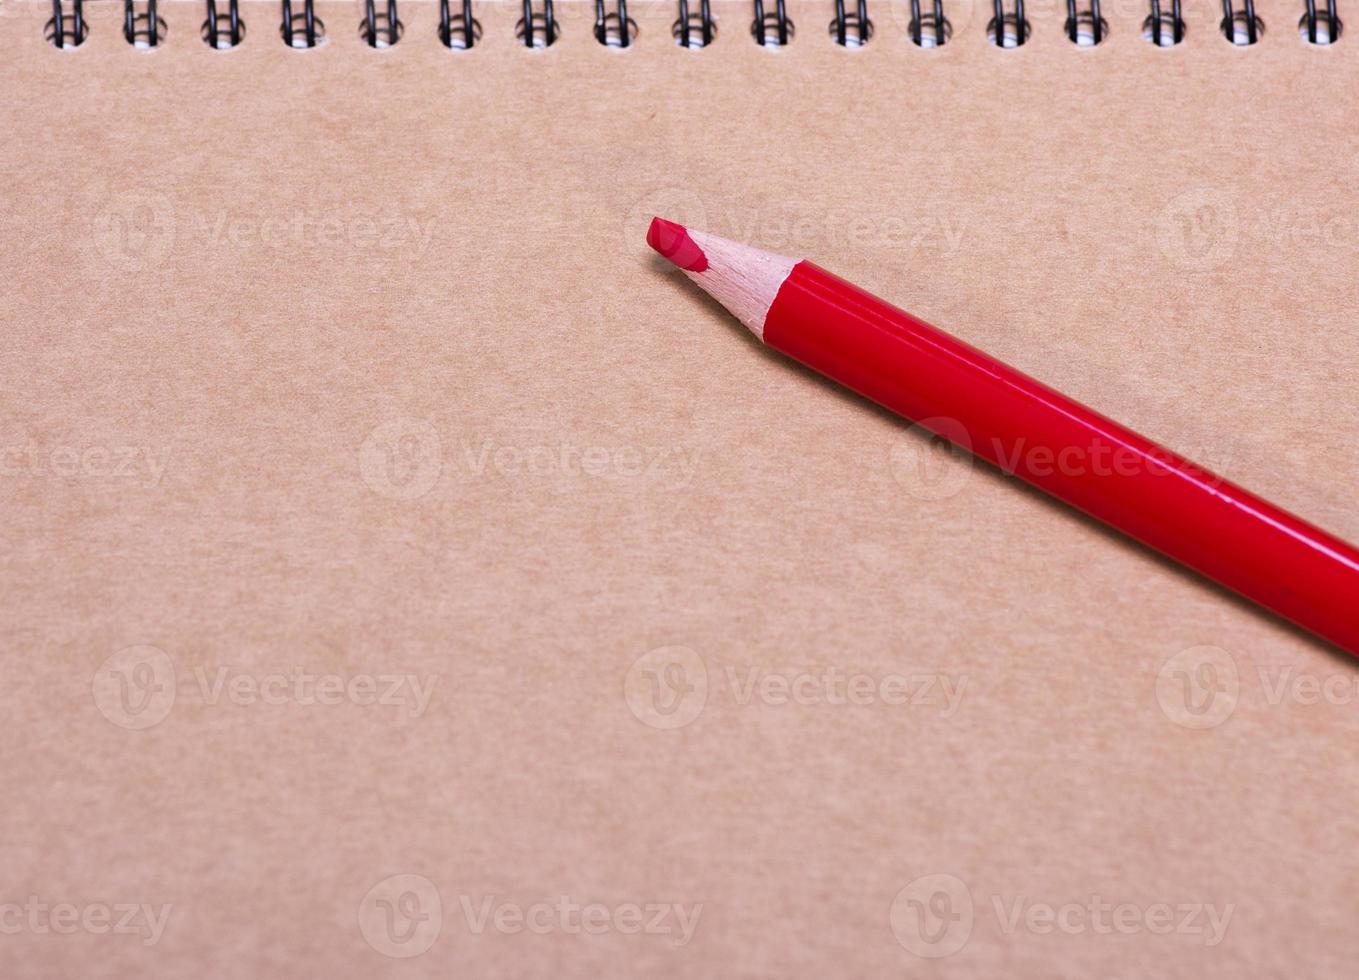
{"points": [[1311, 24], [1246, 18], [142, 30], [930, 29], [1085, 27], [694, 35], [304, 30], [219, 36], [851, 30], [1008, 30], [771, 30], [538, 30], [64, 31], [380, 31], [459, 31], [614, 30], [1164, 29]]}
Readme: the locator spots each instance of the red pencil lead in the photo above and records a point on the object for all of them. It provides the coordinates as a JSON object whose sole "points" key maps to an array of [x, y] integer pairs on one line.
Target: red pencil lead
{"points": [[672, 241]]}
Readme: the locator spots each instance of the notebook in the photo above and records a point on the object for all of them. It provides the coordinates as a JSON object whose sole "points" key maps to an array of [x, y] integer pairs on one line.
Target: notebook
{"points": [[407, 574]]}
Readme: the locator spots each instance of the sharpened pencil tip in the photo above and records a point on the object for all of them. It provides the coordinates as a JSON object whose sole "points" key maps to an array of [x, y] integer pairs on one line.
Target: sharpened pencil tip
{"points": [[673, 242]]}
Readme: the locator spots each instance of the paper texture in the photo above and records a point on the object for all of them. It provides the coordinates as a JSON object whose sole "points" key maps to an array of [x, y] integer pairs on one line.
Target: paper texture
{"points": [[340, 377]]}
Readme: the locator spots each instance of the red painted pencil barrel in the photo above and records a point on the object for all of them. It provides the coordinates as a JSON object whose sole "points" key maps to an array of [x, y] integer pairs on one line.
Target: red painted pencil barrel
{"points": [[1091, 462]]}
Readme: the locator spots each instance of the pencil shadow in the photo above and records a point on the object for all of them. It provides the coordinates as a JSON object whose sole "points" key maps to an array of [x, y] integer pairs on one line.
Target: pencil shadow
{"points": [[989, 471]]}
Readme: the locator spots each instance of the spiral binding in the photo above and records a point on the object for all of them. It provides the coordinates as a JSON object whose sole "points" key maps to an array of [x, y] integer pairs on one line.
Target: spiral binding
{"points": [[313, 30], [614, 30], [212, 27], [66, 32], [460, 31], [142, 30], [1309, 23], [1232, 22], [684, 28], [1155, 25], [940, 29], [1011, 30], [851, 30], [1095, 26], [777, 22], [539, 29], [380, 32]]}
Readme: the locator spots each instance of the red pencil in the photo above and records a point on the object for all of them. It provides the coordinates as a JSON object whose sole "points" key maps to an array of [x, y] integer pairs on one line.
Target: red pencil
{"points": [[1031, 431]]}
